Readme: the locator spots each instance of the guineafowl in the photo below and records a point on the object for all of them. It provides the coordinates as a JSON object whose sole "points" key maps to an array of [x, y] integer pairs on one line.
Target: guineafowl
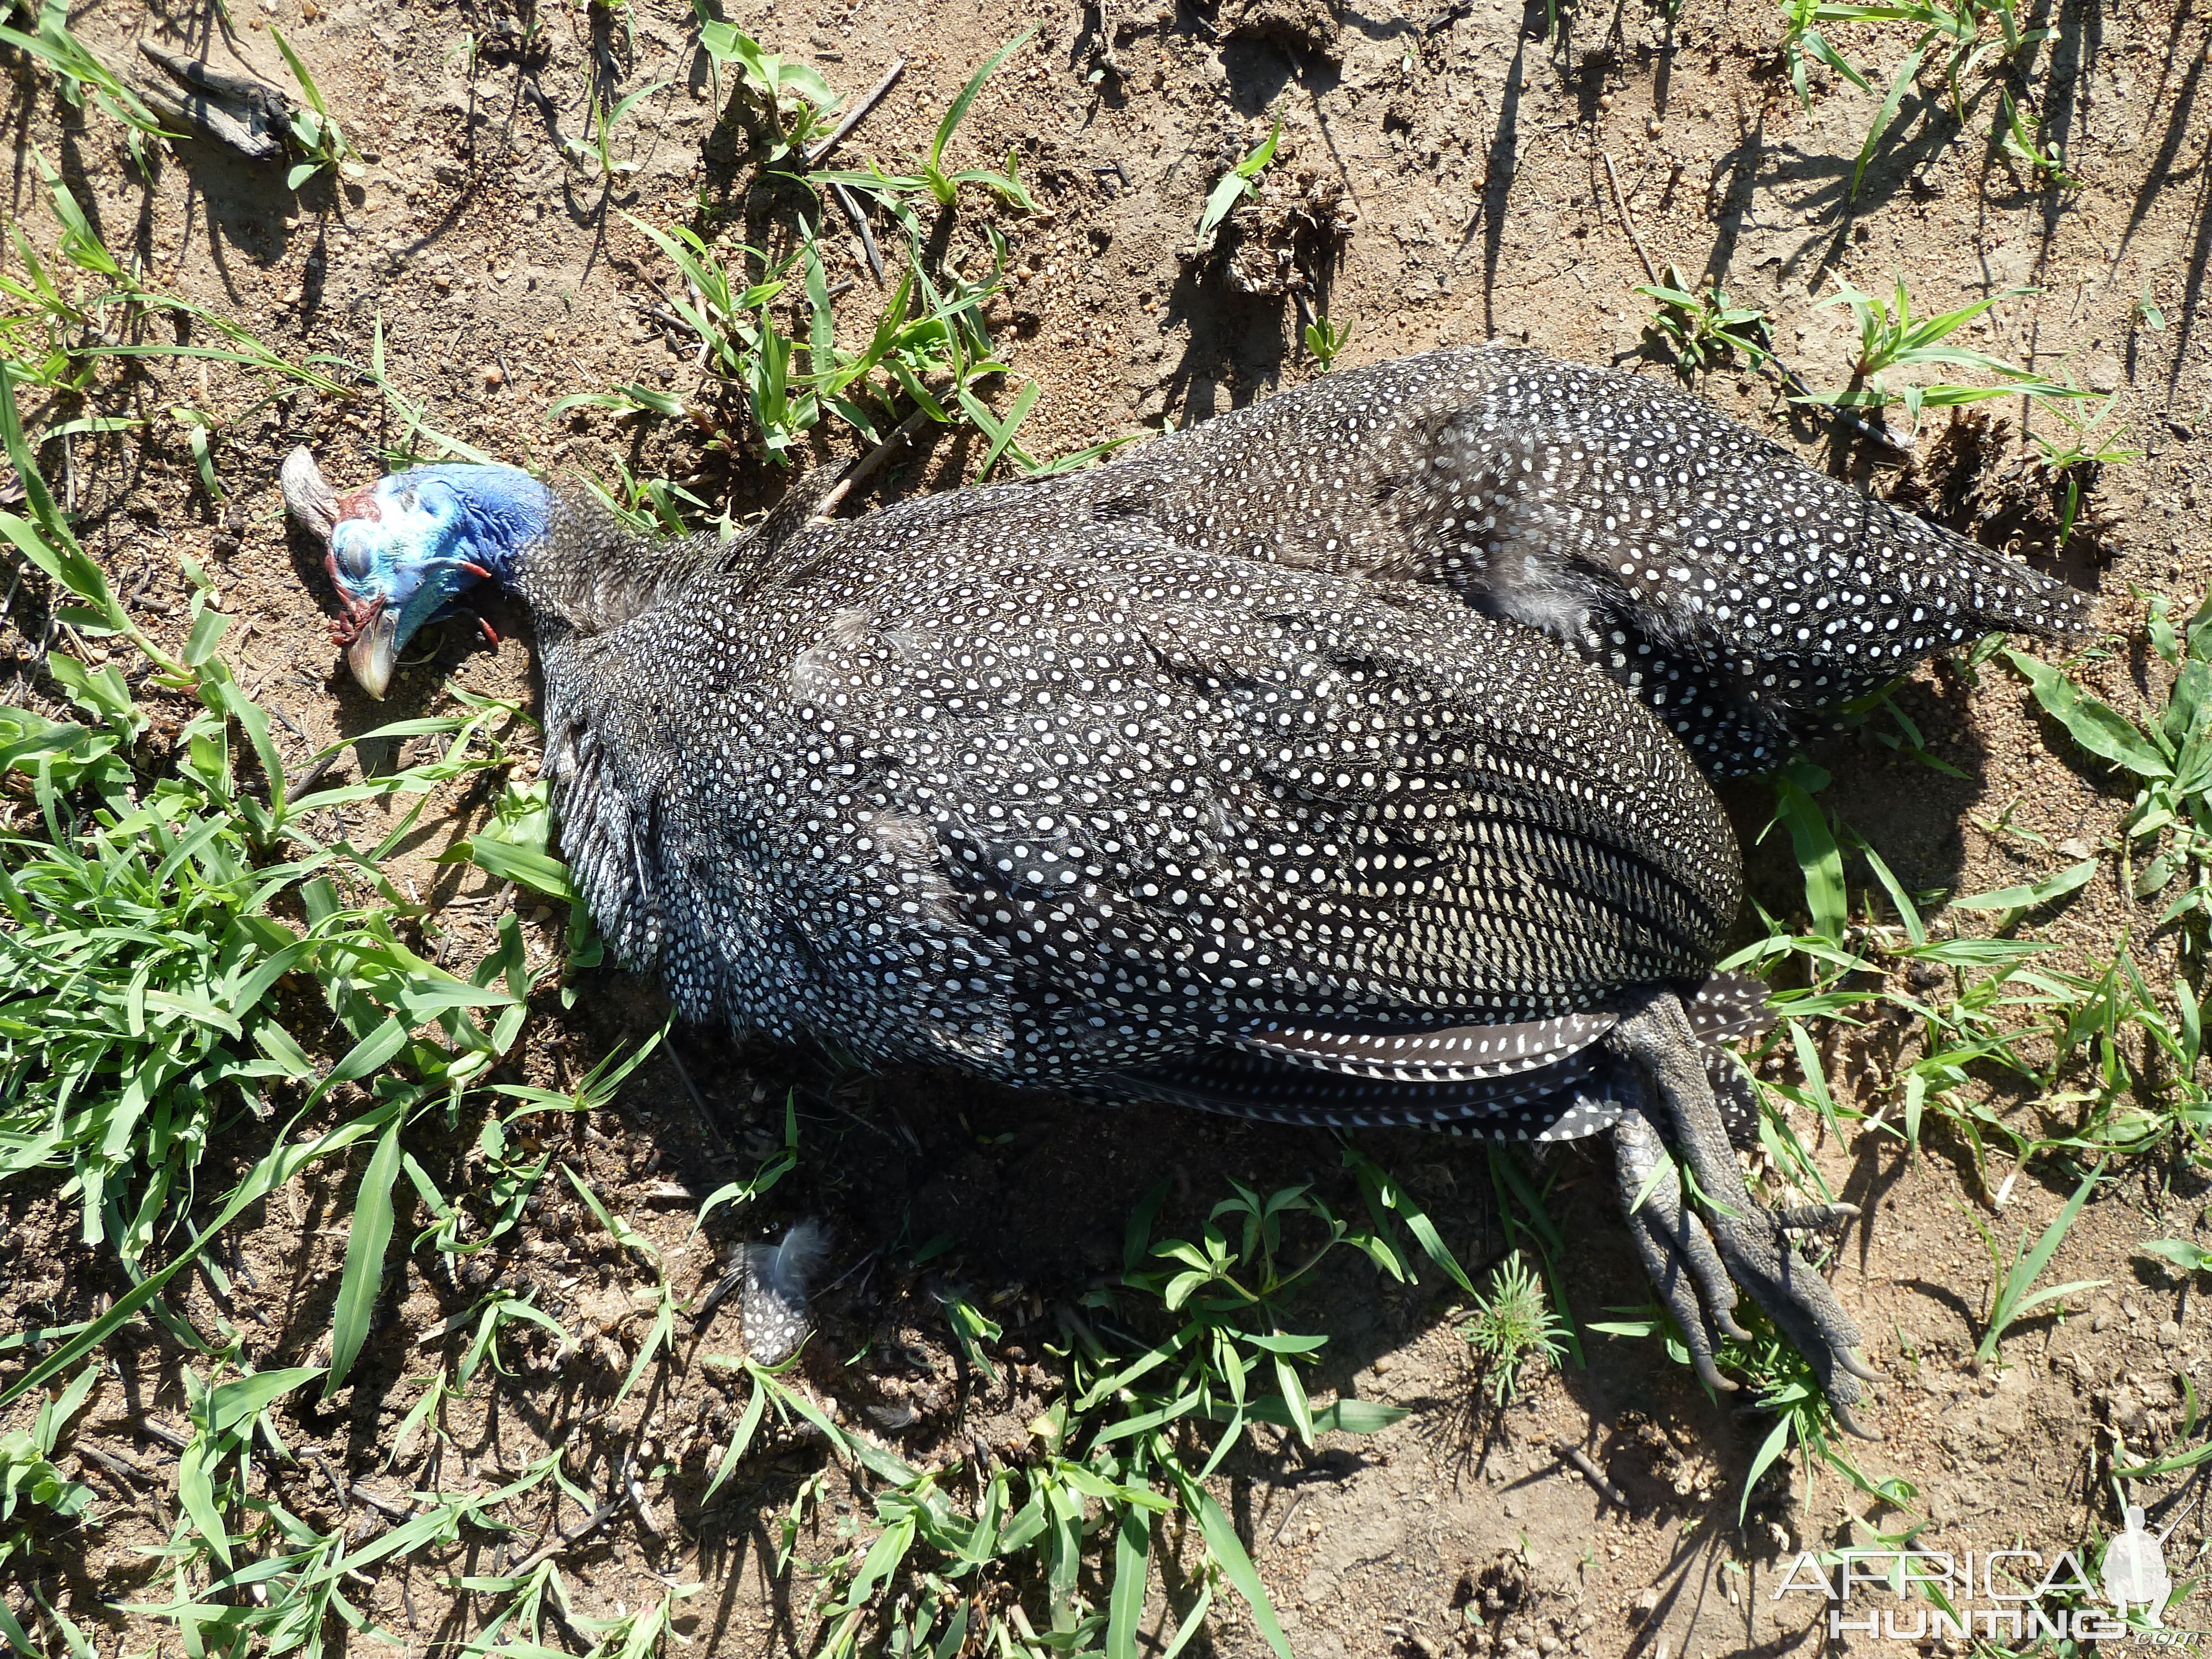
{"points": [[1313, 765]]}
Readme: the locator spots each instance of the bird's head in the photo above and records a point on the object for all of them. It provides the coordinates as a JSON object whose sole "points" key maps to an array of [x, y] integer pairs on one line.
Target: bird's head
{"points": [[404, 548]]}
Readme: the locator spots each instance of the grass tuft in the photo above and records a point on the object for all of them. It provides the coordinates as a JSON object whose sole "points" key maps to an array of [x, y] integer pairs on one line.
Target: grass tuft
{"points": [[1513, 1328]]}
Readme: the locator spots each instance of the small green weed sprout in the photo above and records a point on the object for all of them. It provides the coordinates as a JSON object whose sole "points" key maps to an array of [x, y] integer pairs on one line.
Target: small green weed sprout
{"points": [[29, 1479], [2025, 145], [606, 118], [926, 350], [1513, 1328], [790, 91], [2011, 1292], [1802, 43], [899, 191], [314, 129], [1891, 337], [1236, 184], [1702, 328], [1783, 1384], [82, 73], [770, 330], [1324, 339], [2185, 1253], [1957, 30], [1054, 1552], [2168, 752], [945, 187], [2122, 1061], [2077, 457]]}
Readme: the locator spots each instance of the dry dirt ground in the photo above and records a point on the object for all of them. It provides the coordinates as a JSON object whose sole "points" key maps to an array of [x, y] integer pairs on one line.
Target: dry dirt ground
{"points": [[1467, 161]]}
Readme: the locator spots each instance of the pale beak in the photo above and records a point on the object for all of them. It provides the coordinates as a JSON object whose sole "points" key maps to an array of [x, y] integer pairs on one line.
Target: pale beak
{"points": [[371, 655], [315, 505]]}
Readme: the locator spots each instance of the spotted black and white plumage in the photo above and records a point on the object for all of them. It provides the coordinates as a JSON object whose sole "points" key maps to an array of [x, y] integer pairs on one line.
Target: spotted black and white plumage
{"points": [[1343, 761], [1734, 589], [772, 1281], [1060, 802]]}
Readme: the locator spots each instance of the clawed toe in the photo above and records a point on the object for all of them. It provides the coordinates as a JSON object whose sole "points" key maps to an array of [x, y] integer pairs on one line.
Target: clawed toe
{"points": [[1802, 1306], [1848, 1424], [1730, 1242], [1858, 1367], [1678, 1254]]}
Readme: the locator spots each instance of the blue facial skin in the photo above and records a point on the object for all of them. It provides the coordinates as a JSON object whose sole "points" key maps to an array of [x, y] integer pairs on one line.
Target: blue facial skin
{"points": [[406, 547]]}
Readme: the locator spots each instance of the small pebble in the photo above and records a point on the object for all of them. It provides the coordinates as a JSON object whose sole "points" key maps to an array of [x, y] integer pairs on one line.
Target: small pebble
{"points": [[493, 374]]}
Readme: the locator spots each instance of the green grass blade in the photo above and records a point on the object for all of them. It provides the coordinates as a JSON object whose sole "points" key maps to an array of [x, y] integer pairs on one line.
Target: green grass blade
{"points": [[1385, 1197], [1226, 1548], [2052, 1293], [1886, 115], [1250, 166], [629, 102], [1772, 1447], [2191, 1459], [380, 1047], [1221, 201], [298, 70], [2029, 897], [47, 540], [17, 1637], [1818, 46], [958, 111], [2100, 730], [1817, 857], [1907, 913], [286, 1161], [1024, 400], [1125, 1603], [1338, 1417], [2013, 1298], [742, 1440], [1816, 1079], [368, 1239]]}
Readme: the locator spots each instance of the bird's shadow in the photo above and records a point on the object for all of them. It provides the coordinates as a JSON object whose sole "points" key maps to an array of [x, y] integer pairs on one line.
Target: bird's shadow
{"points": [[935, 1187]]}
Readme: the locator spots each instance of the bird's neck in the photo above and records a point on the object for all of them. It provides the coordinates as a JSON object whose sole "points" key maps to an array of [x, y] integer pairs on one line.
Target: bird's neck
{"points": [[508, 512]]}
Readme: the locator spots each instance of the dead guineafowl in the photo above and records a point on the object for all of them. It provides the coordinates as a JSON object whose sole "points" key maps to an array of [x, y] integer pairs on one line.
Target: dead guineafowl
{"points": [[1314, 765]]}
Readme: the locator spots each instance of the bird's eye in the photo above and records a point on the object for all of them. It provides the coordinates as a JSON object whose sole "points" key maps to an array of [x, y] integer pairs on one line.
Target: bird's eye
{"points": [[353, 558]]}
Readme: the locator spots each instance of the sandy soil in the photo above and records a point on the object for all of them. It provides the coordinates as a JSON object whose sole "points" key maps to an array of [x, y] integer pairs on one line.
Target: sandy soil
{"points": [[1467, 164]]}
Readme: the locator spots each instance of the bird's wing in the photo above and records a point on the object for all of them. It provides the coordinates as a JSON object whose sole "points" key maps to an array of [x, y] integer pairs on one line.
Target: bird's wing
{"points": [[1566, 1090], [1698, 563], [1564, 1101], [1213, 798]]}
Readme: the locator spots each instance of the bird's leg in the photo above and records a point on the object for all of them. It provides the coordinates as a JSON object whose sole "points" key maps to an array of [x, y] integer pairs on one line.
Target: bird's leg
{"points": [[1674, 1244], [1751, 1243]]}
